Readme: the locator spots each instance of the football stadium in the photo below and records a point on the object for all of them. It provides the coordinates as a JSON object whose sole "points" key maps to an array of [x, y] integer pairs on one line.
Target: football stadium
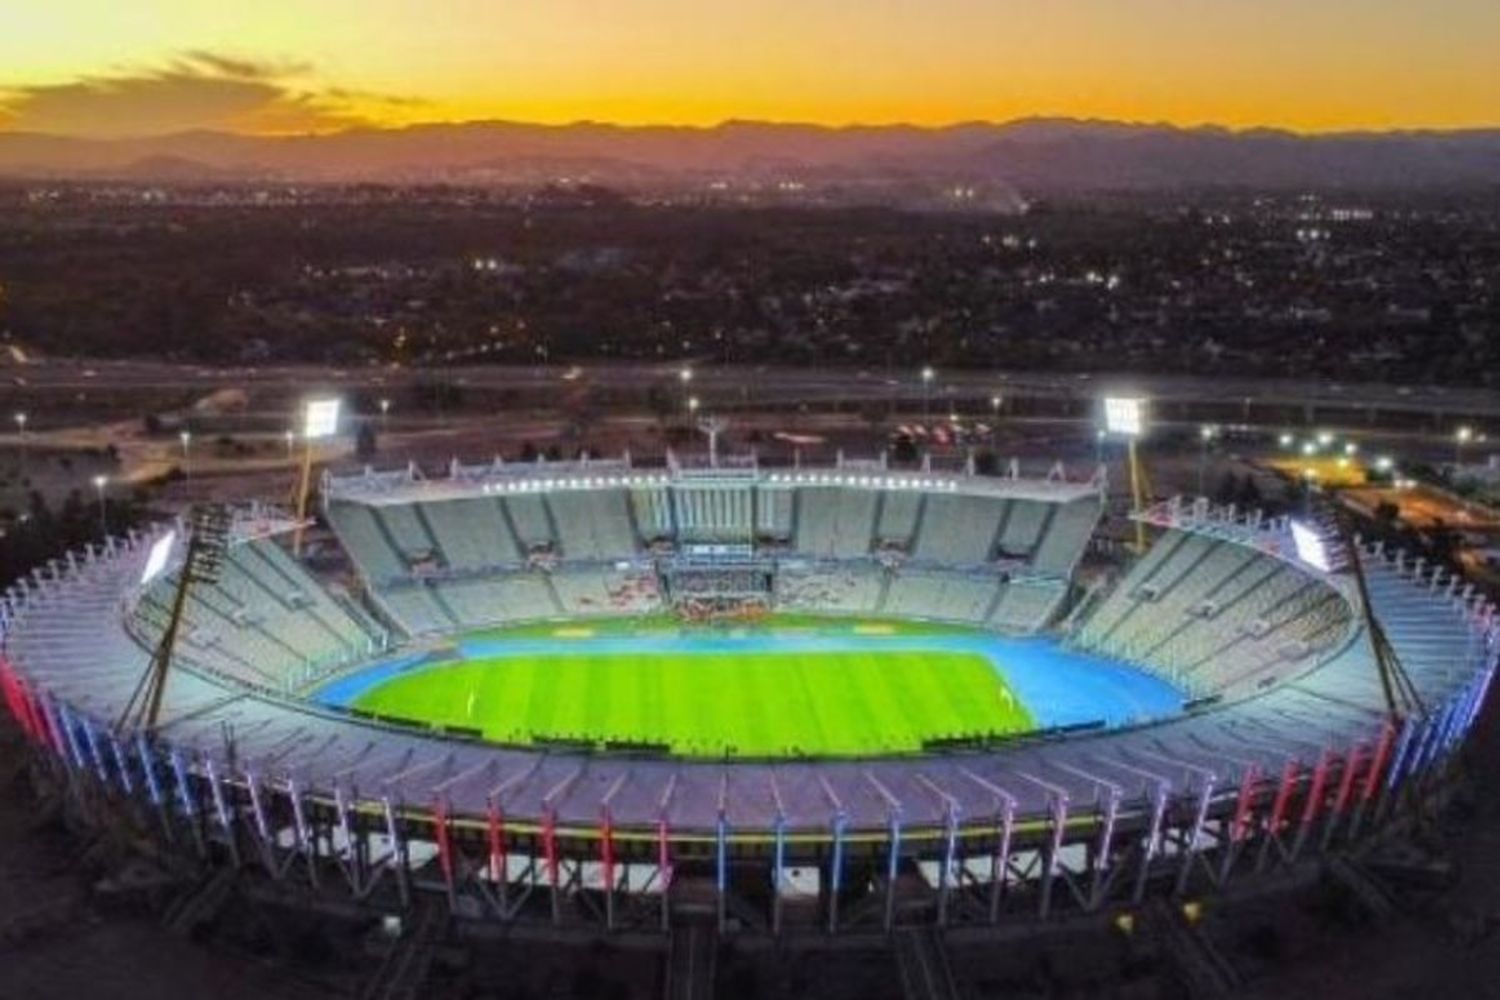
{"points": [[818, 699]]}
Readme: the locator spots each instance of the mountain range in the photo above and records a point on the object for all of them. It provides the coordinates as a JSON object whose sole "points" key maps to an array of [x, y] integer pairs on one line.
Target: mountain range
{"points": [[1034, 156]]}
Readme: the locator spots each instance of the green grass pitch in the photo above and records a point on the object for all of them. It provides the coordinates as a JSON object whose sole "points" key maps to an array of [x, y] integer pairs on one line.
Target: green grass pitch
{"points": [[762, 704]]}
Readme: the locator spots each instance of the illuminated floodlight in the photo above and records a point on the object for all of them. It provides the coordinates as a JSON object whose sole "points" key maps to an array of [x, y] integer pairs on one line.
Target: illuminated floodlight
{"points": [[156, 559], [320, 419], [1351, 448], [1384, 463], [1325, 438], [1286, 440], [1310, 546], [1125, 415]]}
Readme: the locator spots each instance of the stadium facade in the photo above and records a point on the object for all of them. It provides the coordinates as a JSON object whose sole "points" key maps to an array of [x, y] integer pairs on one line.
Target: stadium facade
{"points": [[1287, 748]]}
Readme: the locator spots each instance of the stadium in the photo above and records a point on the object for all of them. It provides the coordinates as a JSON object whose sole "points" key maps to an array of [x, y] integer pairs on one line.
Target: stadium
{"points": [[605, 696]]}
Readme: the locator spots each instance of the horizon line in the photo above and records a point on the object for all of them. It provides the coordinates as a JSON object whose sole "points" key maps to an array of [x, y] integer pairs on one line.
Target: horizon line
{"points": [[843, 126]]}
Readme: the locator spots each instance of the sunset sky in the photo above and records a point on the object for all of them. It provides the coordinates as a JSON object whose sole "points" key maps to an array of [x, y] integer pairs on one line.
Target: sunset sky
{"points": [[109, 68]]}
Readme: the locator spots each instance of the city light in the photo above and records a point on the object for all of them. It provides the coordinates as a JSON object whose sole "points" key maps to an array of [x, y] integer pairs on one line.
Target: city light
{"points": [[1286, 440]]}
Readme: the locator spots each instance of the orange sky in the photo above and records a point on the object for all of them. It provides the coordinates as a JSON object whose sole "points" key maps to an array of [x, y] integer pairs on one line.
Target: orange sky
{"points": [[105, 67]]}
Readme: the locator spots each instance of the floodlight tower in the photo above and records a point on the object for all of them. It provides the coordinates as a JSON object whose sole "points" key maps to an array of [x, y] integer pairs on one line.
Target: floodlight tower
{"points": [[320, 419], [1125, 416], [713, 427], [208, 539]]}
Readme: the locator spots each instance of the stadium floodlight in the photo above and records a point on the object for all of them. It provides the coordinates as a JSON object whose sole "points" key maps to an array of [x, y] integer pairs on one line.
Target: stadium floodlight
{"points": [[1125, 415], [156, 559], [320, 418], [1310, 546]]}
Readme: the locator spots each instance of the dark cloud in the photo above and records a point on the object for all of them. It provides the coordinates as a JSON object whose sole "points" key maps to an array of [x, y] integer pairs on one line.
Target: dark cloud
{"points": [[198, 90]]}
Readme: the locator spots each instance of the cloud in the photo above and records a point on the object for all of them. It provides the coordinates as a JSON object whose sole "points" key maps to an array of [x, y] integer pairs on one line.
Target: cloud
{"points": [[197, 90]]}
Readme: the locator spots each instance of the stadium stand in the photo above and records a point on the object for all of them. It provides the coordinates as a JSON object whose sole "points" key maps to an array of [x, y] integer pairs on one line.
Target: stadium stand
{"points": [[834, 522], [367, 544], [593, 524], [471, 534], [1216, 616], [951, 525], [266, 620]]}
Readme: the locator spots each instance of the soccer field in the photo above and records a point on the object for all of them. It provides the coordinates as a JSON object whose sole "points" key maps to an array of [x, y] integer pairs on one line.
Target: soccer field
{"points": [[745, 695]]}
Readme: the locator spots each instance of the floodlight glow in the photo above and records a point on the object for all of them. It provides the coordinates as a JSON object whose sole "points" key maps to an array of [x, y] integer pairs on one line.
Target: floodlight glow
{"points": [[156, 560], [320, 419], [1310, 547], [1285, 440], [1125, 415]]}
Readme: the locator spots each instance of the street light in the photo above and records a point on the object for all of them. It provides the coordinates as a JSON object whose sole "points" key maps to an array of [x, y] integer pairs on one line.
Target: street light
{"points": [[1206, 433], [692, 404], [21, 430], [1461, 437], [99, 484], [1286, 440], [187, 457], [927, 376], [385, 409], [996, 401], [291, 443]]}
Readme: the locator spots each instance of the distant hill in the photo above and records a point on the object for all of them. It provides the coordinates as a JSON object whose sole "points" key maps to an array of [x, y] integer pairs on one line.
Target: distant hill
{"points": [[1030, 155]]}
